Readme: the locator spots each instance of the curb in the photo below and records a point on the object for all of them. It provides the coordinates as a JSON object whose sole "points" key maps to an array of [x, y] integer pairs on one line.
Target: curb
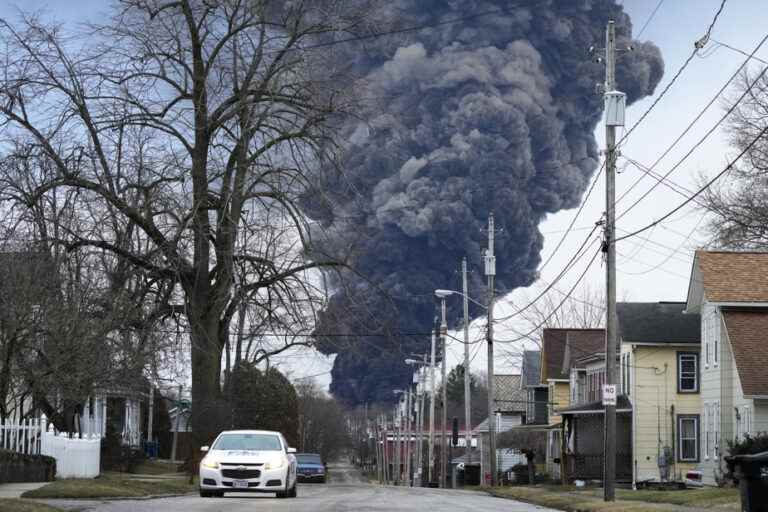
{"points": [[117, 498]]}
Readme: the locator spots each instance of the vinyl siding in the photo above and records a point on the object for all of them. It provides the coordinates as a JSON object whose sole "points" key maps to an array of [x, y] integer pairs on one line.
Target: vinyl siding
{"points": [[721, 393], [656, 404]]}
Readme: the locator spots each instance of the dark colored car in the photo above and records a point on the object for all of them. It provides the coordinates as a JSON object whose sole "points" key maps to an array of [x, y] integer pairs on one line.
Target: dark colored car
{"points": [[310, 468]]}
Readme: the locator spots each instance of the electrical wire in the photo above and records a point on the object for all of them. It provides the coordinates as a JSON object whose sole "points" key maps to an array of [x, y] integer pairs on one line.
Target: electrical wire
{"points": [[709, 132], [648, 21], [696, 47], [699, 191]]}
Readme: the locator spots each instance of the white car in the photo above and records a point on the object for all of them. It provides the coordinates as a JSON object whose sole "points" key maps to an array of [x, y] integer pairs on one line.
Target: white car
{"points": [[248, 461]]}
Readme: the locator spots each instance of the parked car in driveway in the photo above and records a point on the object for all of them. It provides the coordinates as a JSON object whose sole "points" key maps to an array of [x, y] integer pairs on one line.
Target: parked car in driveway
{"points": [[310, 467], [248, 461]]}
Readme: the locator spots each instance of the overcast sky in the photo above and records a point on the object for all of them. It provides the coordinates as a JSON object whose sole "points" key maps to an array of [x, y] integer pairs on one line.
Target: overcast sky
{"points": [[654, 266]]}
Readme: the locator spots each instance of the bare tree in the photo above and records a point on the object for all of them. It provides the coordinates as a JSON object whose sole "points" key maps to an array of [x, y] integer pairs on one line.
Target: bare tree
{"points": [[739, 203], [583, 309], [174, 127]]}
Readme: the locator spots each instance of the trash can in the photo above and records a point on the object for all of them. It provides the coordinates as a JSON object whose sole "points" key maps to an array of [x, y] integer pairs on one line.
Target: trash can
{"points": [[751, 472], [151, 449]]}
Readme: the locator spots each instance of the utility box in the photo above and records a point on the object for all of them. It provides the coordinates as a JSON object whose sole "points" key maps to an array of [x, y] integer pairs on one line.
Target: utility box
{"points": [[615, 105]]}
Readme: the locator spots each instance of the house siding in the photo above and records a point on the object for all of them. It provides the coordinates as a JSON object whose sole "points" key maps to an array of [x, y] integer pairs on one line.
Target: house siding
{"points": [[656, 404], [721, 396], [559, 398]]}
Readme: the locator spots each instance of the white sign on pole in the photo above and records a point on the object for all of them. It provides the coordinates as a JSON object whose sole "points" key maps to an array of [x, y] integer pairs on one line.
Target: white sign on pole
{"points": [[609, 394]]}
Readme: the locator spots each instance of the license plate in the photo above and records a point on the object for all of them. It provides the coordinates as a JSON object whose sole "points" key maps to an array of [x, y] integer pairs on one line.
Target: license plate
{"points": [[240, 484]]}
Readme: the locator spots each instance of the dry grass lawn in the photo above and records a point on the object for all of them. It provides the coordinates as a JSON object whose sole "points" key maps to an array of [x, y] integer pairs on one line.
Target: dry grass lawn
{"points": [[14, 505], [112, 485], [633, 501]]}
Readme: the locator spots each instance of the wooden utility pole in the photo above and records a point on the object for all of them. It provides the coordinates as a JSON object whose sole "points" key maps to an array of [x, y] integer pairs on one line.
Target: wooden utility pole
{"points": [[490, 272], [431, 447], [467, 373], [444, 399], [614, 114]]}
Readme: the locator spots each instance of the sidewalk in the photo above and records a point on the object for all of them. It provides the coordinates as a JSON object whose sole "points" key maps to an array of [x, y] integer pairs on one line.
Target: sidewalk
{"points": [[16, 490]]}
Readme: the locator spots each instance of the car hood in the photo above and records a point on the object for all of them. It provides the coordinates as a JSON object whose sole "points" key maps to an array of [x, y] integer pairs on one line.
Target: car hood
{"points": [[244, 456]]}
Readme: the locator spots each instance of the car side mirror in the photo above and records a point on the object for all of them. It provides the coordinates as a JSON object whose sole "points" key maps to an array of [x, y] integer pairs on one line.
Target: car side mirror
{"points": [[291, 450], [204, 449]]}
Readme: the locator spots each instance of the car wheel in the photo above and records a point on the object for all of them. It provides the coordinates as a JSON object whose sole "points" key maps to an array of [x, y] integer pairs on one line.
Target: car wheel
{"points": [[322, 480], [281, 494], [205, 494], [293, 493], [218, 494]]}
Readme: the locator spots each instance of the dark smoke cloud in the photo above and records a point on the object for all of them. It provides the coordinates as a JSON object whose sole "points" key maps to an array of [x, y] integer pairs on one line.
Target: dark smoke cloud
{"points": [[495, 114]]}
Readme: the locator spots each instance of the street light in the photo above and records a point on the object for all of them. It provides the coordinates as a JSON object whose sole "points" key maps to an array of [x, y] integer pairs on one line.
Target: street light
{"points": [[442, 294]]}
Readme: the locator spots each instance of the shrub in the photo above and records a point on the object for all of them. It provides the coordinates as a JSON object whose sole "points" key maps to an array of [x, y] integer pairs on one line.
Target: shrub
{"points": [[749, 445], [19, 467]]}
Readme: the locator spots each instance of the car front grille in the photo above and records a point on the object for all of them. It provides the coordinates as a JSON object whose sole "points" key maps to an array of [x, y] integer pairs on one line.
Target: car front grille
{"points": [[240, 474]]}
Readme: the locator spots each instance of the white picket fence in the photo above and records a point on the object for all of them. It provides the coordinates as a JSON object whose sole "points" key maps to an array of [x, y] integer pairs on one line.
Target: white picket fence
{"points": [[75, 457]]}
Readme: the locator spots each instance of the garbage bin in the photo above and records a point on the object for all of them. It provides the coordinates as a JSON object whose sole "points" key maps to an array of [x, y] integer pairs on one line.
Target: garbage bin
{"points": [[751, 471]]}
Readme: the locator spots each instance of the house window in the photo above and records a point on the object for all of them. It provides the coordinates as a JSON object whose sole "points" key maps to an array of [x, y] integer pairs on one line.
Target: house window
{"points": [[687, 372], [747, 420], [707, 430], [688, 438], [625, 369], [716, 428]]}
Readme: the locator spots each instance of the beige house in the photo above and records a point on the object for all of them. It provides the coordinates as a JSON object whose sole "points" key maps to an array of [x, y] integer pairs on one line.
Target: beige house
{"points": [[729, 290], [659, 373]]}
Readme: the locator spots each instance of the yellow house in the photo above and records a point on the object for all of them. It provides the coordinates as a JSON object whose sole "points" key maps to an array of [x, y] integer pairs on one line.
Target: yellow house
{"points": [[660, 374]]}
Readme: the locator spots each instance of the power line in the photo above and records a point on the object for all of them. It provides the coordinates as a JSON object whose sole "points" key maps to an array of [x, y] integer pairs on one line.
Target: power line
{"points": [[690, 125], [529, 334], [699, 191], [696, 47], [648, 21]]}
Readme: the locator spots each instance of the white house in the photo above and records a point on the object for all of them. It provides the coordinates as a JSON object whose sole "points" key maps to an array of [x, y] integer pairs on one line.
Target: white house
{"points": [[730, 291]]}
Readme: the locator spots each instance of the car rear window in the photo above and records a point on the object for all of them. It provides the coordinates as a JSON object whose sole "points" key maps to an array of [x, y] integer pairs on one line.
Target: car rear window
{"points": [[255, 442], [308, 458]]}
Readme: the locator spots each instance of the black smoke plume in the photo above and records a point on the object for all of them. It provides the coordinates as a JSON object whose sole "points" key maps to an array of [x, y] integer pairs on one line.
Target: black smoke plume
{"points": [[492, 114]]}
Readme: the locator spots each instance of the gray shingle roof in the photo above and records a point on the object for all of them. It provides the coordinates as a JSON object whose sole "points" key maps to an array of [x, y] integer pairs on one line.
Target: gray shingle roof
{"points": [[508, 394], [657, 322]]}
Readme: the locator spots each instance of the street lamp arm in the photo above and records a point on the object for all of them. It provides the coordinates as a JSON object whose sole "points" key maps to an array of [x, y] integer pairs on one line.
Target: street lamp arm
{"points": [[446, 293]]}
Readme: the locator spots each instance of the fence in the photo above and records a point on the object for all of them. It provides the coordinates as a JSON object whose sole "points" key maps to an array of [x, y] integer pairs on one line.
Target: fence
{"points": [[75, 457]]}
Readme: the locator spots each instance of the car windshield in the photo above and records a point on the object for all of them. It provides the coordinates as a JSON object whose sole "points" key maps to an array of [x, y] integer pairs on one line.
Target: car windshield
{"points": [[255, 442], [308, 458]]}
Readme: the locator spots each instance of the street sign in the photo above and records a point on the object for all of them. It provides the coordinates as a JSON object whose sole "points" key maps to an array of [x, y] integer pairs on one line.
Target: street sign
{"points": [[609, 394]]}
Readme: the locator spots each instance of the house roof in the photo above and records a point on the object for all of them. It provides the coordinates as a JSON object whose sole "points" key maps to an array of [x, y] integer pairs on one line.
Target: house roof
{"points": [[580, 344], [746, 332], [508, 394], [531, 368], [553, 343], [729, 276], [657, 322]]}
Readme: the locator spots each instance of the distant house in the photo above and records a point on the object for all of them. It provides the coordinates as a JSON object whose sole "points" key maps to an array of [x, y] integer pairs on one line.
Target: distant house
{"points": [[729, 290], [584, 418], [509, 405], [659, 373]]}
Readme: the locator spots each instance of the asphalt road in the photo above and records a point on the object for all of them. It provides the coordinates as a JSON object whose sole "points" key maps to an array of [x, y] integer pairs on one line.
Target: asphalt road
{"points": [[345, 493]]}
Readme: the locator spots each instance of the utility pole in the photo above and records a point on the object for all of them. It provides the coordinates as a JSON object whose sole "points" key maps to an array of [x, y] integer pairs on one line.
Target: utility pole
{"points": [[614, 113], [408, 436], [431, 448], [467, 375], [490, 272], [444, 399]]}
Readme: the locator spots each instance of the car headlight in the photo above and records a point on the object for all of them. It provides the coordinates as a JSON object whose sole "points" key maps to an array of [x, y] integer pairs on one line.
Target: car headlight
{"points": [[275, 465], [212, 464]]}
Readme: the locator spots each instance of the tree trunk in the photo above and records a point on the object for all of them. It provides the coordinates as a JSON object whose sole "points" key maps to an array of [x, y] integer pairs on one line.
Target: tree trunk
{"points": [[208, 407]]}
